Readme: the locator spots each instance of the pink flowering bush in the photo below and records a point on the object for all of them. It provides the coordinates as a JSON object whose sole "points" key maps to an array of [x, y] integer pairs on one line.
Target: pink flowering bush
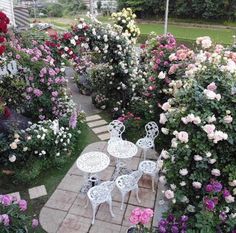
{"points": [[200, 120], [13, 217], [140, 218]]}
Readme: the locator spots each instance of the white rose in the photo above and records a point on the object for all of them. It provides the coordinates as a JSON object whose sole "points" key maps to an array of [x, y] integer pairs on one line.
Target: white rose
{"points": [[183, 172], [169, 194], [229, 199], [182, 183], [191, 208], [166, 106], [163, 118], [197, 157], [13, 145], [173, 186], [164, 131], [197, 185], [12, 158], [212, 161], [232, 183], [215, 172], [228, 119], [162, 75], [164, 154]]}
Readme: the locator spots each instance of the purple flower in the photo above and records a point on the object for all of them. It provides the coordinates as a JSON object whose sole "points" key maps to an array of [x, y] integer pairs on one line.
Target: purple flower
{"points": [[162, 229], [170, 218], [37, 92], [73, 120], [174, 229], [54, 93], [209, 204], [184, 218], [35, 223], [226, 193], [209, 188], [23, 205], [6, 200], [223, 216], [29, 89], [41, 117], [217, 186], [4, 218], [52, 72], [18, 56]]}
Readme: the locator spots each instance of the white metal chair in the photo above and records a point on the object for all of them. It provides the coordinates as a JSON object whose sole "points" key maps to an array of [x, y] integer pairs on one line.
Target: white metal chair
{"points": [[127, 183], [147, 142], [100, 194], [116, 128], [151, 168]]}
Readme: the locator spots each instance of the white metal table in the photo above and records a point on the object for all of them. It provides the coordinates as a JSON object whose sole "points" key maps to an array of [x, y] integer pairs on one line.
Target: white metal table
{"points": [[92, 163], [122, 150]]}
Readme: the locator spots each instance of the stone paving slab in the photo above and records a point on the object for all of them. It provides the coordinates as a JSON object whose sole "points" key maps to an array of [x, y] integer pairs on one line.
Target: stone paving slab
{"points": [[37, 192], [96, 123], [101, 129], [15, 195], [65, 211], [51, 219], [104, 136], [75, 224], [92, 118], [61, 200]]}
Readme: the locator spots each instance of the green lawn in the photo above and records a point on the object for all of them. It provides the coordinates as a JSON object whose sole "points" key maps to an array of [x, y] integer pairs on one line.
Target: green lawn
{"points": [[50, 178], [191, 33]]}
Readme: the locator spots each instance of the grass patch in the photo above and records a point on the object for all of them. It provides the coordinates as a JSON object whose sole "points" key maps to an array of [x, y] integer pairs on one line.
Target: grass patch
{"points": [[51, 178], [218, 35]]}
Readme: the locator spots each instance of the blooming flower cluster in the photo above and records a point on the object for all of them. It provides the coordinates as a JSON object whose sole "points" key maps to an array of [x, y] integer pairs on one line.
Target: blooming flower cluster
{"points": [[125, 19], [4, 21], [172, 224], [12, 216]]}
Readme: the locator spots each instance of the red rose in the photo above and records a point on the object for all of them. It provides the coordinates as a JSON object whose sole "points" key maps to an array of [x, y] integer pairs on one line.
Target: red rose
{"points": [[2, 49], [2, 39], [7, 112]]}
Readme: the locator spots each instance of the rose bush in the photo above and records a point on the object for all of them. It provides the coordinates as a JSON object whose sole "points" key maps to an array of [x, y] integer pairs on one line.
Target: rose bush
{"points": [[200, 118]]}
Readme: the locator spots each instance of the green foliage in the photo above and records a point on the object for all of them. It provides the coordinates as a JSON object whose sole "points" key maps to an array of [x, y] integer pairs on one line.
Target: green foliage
{"points": [[55, 10], [197, 9], [72, 7]]}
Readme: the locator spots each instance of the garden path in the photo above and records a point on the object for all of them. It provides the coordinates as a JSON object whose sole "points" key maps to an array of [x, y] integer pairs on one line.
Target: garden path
{"points": [[83, 102], [64, 212]]}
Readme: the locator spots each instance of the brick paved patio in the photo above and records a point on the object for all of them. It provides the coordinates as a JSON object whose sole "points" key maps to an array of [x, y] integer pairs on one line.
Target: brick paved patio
{"points": [[65, 213]]}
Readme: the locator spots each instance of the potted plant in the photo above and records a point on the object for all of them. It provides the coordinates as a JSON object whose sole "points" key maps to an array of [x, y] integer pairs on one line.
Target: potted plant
{"points": [[140, 218]]}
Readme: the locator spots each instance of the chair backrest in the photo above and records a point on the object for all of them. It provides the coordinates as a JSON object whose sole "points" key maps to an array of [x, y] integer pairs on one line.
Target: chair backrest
{"points": [[136, 175], [152, 130], [109, 185], [116, 128]]}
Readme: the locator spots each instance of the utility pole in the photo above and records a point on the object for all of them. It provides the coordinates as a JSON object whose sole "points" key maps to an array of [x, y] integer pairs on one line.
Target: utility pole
{"points": [[166, 17]]}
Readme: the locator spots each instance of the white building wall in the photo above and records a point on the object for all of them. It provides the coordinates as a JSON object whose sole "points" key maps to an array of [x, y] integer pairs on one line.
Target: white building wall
{"points": [[7, 7]]}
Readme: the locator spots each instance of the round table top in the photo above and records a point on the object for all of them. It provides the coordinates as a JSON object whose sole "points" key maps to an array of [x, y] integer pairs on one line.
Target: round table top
{"points": [[93, 162], [122, 149]]}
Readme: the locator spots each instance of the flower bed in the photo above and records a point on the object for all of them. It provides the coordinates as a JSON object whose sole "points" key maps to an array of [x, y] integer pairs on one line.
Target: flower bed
{"points": [[38, 119]]}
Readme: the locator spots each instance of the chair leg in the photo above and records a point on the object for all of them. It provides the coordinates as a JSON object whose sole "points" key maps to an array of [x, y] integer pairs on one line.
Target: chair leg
{"points": [[136, 191], [153, 181], [110, 207], [122, 199], [87, 202], [144, 153], [94, 206]]}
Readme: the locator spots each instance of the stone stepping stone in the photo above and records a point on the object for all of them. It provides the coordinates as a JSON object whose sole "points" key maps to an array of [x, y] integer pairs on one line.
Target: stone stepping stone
{"points": [[15, 195], [101, 129], [97, 123], [104, 137], [93, 118], [37, 192]]}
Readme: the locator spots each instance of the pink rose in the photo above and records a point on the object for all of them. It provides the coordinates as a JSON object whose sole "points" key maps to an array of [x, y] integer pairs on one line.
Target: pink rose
{"points": [[209, 128], [182, 136], [228, 119], [169, 194], [134, 219], [212, 86], [166, 106], [163, 118], [23, 205], [145, 217]]}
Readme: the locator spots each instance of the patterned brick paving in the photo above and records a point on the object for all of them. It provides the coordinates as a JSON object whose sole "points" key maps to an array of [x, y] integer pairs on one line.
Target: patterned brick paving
{"points": [[65, 213]]}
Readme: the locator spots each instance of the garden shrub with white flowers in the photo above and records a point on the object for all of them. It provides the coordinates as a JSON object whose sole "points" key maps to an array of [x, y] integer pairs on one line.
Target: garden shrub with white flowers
{"points": [[200, 166]]}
